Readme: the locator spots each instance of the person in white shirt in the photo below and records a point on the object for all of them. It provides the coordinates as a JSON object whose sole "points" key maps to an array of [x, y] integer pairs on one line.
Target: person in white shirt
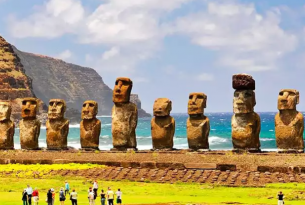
{"points": [[29, 191], [118, 196], [95, 188], [73, 197], [91, 198]]}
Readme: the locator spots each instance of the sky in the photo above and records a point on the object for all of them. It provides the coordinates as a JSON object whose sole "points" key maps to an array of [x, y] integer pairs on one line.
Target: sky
{"points": [[170, 48]]}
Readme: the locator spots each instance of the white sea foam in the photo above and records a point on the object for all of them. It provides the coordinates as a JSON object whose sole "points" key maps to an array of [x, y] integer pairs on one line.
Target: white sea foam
{"points": [[213, 140], [266, 139], [271, 130], [104, 116], [74, 126]]}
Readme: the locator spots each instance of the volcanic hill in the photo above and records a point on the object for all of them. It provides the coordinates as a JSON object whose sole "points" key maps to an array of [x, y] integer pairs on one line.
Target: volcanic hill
{"points": [[28, 75]]}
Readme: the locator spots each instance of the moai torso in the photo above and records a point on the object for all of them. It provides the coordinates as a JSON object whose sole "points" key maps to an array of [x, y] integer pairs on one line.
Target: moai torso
{"points": [[289, 123], [7, 127], [162, 125], [245, 122], [124, 123], [245, 131], [29, 126], [57, 126], [90, 126], [124, 116], [198, 125]]}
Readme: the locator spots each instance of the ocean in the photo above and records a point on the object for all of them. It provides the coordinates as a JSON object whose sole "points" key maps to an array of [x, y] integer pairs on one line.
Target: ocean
{"points": [[219, 139]]}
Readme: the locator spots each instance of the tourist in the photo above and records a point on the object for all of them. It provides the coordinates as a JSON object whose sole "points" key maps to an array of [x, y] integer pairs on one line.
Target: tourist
{"points": [[49, 197], [25, 197], [67, 188], [29, 191], [35, 196], [91, 197], [89, 190], [110, 196], [103, 197], [73, 197], [53, 196], [62, 197], [119, 197], [95, 188], [280, 198]]}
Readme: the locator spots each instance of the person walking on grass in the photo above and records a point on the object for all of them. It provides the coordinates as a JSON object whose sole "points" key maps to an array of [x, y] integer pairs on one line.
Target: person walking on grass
{"points": [[49, 197], [110, 196], [67, 188], [53, 196], [118, 196], [103, 197], [95, 188], [62, 197], [280, 198], [24, 197], [29, 191], [91, 197], [35, 196], [73, 197]]}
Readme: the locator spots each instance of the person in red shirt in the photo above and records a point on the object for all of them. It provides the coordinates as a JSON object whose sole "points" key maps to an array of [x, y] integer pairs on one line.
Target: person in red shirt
{"points": [[35, 196]]}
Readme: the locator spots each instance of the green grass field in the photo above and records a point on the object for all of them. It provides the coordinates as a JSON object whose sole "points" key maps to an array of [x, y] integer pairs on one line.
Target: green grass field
{"points": [[153, 193], [139, 193]]}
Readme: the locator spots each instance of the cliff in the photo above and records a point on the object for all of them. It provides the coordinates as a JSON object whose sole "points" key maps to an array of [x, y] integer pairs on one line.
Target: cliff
{"points": [[135, 99], [13, 81], [54, 78]]}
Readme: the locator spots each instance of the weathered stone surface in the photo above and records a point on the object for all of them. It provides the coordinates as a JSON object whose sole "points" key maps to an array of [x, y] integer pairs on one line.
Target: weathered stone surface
{"points": [[243, 82], [7, 127], [245, 122], [29, 125], [200, 165], [90, 126], [226, 167], [124, 116], [198, 125], [289, 123], [162, 125], [57, 126]]}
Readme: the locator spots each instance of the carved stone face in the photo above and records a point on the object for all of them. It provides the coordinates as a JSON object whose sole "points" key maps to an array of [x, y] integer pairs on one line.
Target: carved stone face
{"points": [[5, 110], [162, 107], [57, 109], [244, 101], [122, 90], [288, 99], [197, 103], [29, 108], [89, 110]]}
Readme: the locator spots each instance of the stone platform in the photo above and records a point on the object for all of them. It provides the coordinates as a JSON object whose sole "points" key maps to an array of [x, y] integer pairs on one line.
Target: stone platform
{"points": [[223, 168]]}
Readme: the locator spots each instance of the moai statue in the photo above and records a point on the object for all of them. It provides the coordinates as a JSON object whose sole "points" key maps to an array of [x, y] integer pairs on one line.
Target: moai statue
{"points": [[90, 126], [7, 127], [57, 125], [124, 116], [198, 125], [162, 125], [246, 123], [289, 123], [29, 125]]}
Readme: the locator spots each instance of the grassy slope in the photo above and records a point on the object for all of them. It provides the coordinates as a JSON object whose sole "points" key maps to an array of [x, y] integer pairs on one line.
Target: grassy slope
{"points": [[139, 193]]}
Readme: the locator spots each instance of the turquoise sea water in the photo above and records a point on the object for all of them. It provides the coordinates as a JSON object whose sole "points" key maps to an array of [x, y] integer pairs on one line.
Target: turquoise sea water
{"points": [[220, 134]]}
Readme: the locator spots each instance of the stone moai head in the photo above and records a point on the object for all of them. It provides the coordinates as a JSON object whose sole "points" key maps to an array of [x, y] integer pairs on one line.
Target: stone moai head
{"points": [[162, 107], [244, 95], [5, 110], [122, 90], [196, 104], [29, 108], [57, 109], [288, 99], [89, 110]]}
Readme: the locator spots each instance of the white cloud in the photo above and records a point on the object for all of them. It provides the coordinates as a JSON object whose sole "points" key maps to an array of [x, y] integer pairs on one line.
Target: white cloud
{"points": [[114, 51], [205, 77], [55, 18], [65, 55], [243, 38]]}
